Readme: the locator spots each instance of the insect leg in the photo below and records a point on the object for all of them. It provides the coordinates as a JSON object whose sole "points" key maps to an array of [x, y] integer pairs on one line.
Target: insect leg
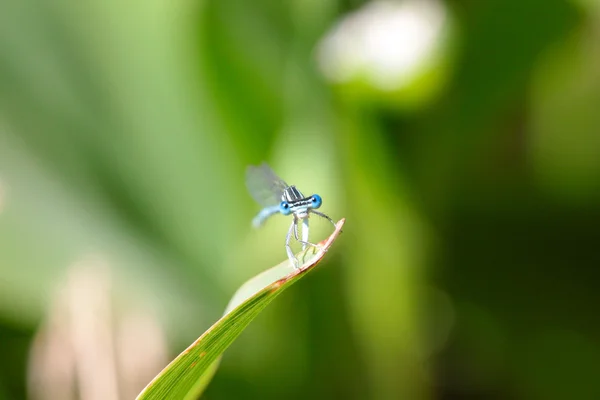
{"points": [[304, 240], [288, 248], [304, 233], [320, 214]]}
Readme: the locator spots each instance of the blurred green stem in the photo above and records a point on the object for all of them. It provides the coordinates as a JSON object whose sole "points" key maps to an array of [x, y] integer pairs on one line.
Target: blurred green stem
{"points": [[383, 294]]}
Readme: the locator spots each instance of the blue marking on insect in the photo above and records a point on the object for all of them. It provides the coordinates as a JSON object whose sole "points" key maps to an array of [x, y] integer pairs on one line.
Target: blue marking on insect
{"points": [[277, 197]]}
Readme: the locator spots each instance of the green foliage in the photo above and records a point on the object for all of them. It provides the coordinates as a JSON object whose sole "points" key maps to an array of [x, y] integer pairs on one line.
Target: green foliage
{"points": [[187, 376], [473, 189]]}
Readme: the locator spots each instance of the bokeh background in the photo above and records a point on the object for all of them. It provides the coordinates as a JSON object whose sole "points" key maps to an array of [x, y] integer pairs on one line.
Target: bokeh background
{"points": [[460, 139]]}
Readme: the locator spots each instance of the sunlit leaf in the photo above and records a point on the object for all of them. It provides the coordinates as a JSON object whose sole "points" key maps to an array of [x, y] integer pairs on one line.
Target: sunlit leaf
{"points": [[187, 375]]}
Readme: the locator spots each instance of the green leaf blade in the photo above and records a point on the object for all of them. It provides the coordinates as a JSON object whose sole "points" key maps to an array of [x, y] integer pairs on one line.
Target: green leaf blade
{"points": [[191, 371]]}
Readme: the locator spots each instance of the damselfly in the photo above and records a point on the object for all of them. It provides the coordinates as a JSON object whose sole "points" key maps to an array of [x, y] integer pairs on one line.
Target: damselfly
{"points": [[277, 197]]}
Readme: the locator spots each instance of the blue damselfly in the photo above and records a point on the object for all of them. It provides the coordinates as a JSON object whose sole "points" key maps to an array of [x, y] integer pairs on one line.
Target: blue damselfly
{"points": [[277, 197]]}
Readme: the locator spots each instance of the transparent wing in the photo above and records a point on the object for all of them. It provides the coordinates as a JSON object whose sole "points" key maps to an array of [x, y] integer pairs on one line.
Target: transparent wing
{"points": [[264, 185]]}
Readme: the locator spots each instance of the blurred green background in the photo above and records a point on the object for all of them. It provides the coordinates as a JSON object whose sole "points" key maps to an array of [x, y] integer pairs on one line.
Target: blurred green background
{"points": [[460, 139]]}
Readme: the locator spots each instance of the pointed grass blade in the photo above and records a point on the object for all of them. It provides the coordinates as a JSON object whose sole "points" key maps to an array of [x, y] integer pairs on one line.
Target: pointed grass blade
{"points": [[189, 374]]}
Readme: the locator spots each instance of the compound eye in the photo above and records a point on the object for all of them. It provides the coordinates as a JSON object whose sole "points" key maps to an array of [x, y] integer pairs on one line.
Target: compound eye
{"points": [[316, 201], [284, 208]]}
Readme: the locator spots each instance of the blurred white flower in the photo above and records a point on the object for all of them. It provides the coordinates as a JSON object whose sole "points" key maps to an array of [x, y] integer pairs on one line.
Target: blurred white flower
{"points": [[385, 42]]}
